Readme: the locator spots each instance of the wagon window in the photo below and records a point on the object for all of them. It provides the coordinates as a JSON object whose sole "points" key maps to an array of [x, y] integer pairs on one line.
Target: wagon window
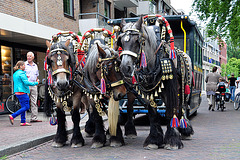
{"points": [[68, 7]]}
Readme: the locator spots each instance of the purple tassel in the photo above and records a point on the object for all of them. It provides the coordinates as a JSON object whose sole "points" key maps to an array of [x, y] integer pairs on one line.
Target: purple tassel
{"points": [[143, 60], [174, 122], [53, 121], [183, 123], [103, 86], [50, 81]]}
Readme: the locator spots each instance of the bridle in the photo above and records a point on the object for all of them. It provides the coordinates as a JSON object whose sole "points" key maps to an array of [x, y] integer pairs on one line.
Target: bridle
{"points": [[128, 32], [59, 51], [66, 94]]}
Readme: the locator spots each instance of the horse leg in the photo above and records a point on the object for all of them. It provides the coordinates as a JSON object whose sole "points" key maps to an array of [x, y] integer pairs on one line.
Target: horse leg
{"points": [[90, 125], [61, 135], [117, 141], [172, 138], [130, 130], [99, 138], [77, 139], [155, 137]]}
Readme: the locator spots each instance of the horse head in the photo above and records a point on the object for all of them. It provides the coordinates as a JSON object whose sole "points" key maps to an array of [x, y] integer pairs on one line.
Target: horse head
{"points": [[130, 41], [104, 65], [134, 37], [60, 60]]}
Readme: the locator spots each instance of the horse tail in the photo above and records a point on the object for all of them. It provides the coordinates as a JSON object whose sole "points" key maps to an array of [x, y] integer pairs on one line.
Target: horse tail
{"points": [[171, 97], [113, 113]]}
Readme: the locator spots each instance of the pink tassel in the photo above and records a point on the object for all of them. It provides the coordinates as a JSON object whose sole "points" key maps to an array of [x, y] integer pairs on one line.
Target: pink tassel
{"points": [[134, 80], [103, 86], [174, 122], [143, 60], [183, 123], [50, 81], [70, 69]]}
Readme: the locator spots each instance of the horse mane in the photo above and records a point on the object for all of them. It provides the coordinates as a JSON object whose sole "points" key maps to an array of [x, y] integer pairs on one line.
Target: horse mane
{"points": [[92, 57], [150, 44]]}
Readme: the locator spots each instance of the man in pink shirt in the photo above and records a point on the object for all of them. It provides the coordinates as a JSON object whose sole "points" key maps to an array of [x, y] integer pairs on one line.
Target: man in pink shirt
{"points": [[32, 74]]}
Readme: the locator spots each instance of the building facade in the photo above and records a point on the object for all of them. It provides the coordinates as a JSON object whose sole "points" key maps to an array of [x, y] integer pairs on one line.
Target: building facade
{"points": [[25, 26]]}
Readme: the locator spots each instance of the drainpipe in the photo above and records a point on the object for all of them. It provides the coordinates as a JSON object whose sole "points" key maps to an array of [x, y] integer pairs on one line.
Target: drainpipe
{"points": [[36, 11]]}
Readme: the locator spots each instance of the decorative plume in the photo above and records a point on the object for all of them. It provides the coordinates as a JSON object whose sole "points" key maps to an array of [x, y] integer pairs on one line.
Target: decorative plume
{"points": [[174, 122], [183, 123]]}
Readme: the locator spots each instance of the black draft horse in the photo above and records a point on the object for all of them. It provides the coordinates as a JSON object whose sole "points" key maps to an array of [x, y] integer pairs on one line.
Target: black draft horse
{"points": [[69, 95], [156, 76]]}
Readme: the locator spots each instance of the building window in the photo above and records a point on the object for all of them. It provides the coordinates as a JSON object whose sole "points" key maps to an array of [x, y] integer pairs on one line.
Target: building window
{"points": [[68, 7], [107, 9]]}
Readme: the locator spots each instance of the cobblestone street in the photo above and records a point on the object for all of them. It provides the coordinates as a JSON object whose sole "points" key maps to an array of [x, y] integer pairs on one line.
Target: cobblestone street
{"points": [[216, 137]]}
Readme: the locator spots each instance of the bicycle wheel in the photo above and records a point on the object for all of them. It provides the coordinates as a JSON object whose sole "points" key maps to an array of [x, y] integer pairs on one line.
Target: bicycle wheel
{"points": [[12, 103], [236, 102]]}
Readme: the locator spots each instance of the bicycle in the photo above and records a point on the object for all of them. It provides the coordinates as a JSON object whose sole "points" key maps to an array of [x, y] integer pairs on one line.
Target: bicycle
{"points": [[236, 104], [12, 103]]}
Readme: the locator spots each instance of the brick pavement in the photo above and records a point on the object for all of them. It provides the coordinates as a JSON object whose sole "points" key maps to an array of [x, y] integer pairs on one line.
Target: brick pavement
{"points": [[216, 137], [15, 138]]}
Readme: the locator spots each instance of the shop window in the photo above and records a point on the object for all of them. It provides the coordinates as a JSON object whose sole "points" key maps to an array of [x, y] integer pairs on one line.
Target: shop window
{"points": [[6, 73], [68, 7]]}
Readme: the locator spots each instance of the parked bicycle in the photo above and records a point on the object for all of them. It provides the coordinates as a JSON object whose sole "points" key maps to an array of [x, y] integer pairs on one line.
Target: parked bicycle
{"points": [[236, 104], [12, 103]]}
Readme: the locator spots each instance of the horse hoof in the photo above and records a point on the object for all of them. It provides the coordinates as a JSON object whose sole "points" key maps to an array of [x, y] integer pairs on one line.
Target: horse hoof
{"points": [[96, 145], [151, 147], [186, 137], [115, 144], [57, 145], [169, 147], [131, 136], [76, 145]]}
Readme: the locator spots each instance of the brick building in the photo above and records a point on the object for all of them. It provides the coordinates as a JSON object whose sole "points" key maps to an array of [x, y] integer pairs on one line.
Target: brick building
{"points": [[25, 26]]}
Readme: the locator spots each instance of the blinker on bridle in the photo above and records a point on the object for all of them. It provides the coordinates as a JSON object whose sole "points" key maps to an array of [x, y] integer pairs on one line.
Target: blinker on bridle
{"points": [[104, 71]]}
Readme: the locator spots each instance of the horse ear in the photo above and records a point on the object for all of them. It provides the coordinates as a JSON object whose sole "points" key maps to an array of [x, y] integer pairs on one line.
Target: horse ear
{"points": [[138, 24], [48, 44], [101, 52], [67, 43], [123, 23]]}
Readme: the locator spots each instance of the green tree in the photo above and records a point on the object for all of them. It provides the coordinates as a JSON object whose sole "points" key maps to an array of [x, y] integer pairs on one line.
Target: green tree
{"points": [[222, 18], [233, 66], [233, 51]]}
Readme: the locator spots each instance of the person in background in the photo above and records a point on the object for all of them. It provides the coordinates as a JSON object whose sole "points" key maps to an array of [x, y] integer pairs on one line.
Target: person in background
{"points": [[21, 90], [32, 74], [211, 80], [232, 86]]}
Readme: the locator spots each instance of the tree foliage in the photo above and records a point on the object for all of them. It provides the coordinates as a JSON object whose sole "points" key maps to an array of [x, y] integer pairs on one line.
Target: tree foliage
{"points": [[233, 66], [233, 51], [222, 18]]}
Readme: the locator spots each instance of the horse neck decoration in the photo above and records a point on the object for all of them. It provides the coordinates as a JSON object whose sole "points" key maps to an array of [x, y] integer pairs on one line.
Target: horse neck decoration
{"points": [[102, 68]]}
